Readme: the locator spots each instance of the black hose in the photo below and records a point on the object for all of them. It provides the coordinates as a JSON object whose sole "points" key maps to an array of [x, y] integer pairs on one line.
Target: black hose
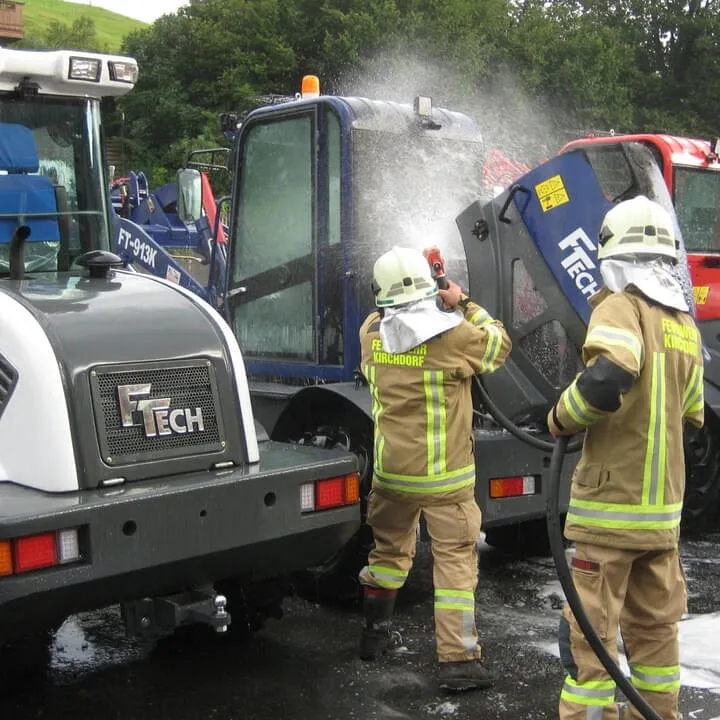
{"points": [[557, 547], [513, 429]]}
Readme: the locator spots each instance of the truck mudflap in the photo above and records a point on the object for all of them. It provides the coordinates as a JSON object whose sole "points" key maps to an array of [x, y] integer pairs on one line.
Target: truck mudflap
{"points": [[157, 538]]}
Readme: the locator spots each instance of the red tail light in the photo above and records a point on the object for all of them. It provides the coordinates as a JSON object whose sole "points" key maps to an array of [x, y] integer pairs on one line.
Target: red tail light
{"points": [[516, 486], [35, 552], [330, 493], [40, 551]]}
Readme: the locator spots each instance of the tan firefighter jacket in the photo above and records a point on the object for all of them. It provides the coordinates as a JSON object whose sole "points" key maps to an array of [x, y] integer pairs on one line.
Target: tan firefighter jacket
{"points": [[421, 402], [628, 487]]}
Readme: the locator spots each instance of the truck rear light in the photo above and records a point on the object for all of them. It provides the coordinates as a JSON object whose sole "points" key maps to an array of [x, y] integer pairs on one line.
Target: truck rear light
{"points": [[43, 550], [352, 488], [330, 493], [35, 552], [6, 564], [515, 486], [68, 545], [307, 497]]}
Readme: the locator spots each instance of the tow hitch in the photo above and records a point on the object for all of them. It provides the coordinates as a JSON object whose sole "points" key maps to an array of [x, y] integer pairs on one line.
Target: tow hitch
{"points": [[160, 616]]}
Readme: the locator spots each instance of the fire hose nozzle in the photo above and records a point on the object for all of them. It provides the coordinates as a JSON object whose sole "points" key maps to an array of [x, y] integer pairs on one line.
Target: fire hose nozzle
{"points": [[437, 265]]}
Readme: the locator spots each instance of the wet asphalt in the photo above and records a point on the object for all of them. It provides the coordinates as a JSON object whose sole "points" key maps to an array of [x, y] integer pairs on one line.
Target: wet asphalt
{"points": [[304, 666]]}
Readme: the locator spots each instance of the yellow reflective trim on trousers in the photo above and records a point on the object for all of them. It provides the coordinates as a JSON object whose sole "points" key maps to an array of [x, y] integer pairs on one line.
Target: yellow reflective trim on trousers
{"points": [[446, 605], [379, 440], [436, 418], [626, 517], [654, 472], [386, 577], [455, 600], [654, 678], [455, 593], [577, 408], [427, 484], [607, 335], [598, 692], [460, 602]]}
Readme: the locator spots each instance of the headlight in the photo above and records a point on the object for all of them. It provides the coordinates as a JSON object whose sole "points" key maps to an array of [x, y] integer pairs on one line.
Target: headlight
{"points": [[123, 71], [84, 69]]}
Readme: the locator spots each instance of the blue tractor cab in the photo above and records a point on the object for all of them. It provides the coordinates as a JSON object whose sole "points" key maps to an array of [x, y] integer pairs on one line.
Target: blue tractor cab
{"points": [[322, 187]]}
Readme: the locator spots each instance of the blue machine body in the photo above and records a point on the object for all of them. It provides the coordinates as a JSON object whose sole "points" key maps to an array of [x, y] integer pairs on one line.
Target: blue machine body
{"points": [[562, 206], [148, 232]]}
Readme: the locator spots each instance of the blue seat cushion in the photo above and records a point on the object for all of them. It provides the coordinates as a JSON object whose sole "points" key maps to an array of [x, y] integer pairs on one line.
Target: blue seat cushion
{"points": [[21, 194]]}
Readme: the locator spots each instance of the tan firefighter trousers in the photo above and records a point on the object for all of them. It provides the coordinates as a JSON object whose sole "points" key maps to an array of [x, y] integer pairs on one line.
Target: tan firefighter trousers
{"points": [[453, 522], [644, 592]]}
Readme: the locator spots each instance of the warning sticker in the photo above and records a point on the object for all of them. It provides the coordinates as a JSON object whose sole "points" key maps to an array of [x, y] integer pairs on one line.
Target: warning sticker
{"points": [[551, 193], [701, 293], [172, 275]]}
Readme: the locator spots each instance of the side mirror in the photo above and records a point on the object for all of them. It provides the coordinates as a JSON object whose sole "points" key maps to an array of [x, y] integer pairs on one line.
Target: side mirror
{"points": [[189, 195]]}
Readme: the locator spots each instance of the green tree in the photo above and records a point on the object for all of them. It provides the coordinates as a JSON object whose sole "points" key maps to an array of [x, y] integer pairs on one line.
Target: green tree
{"points": [[80, 35], [533, 73]]}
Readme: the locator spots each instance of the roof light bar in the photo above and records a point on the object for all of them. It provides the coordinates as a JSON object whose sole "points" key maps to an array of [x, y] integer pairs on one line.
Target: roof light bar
{"points": [[85, 69], [72, 73], [126, 72]]}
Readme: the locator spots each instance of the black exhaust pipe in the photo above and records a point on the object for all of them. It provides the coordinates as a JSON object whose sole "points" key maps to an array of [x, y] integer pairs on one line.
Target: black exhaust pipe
{"points": [[17, 252]]}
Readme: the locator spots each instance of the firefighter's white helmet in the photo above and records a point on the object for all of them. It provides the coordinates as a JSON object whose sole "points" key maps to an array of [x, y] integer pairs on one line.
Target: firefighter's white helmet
{"points": [[401, 276], [638, 226]]}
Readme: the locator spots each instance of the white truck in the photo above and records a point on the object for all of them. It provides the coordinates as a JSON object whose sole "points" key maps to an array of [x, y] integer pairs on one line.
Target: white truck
{"points": [[132, 470]]}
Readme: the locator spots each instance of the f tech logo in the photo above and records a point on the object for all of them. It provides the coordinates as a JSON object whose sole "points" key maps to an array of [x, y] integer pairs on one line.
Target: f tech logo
{"points": [[155, 415], [578, 263]]}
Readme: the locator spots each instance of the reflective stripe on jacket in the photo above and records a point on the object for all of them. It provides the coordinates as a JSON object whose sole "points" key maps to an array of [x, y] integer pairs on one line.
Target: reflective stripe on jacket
{"points": [[627, 489], [421, 402]]}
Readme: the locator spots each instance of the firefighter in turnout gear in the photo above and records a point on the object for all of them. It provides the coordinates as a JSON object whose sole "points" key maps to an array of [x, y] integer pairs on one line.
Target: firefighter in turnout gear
{"points": [[643, 379], [419, 357]]}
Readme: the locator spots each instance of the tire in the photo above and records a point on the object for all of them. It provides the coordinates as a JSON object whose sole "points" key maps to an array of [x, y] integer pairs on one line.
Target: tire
{"points": [[333, 424], [701, 507]]}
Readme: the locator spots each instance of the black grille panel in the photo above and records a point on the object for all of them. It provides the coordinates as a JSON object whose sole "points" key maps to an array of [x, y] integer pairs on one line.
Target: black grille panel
{"points": [[186, 390], [8, 379]]}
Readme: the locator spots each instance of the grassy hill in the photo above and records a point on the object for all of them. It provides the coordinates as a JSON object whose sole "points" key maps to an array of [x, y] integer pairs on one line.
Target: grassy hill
{"points": [[111, 27]]}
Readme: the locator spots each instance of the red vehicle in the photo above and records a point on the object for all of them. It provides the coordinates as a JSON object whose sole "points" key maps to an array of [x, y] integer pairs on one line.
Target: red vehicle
{"points": [[691, 170]]}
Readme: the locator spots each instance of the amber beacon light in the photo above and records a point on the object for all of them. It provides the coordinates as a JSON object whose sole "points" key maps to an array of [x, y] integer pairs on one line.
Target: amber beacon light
{"points": [[310, 87]]}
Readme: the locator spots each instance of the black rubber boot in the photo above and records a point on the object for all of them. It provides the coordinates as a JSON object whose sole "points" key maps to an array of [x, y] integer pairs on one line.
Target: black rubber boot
{"points": [[377, 637], [461, 676]]}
